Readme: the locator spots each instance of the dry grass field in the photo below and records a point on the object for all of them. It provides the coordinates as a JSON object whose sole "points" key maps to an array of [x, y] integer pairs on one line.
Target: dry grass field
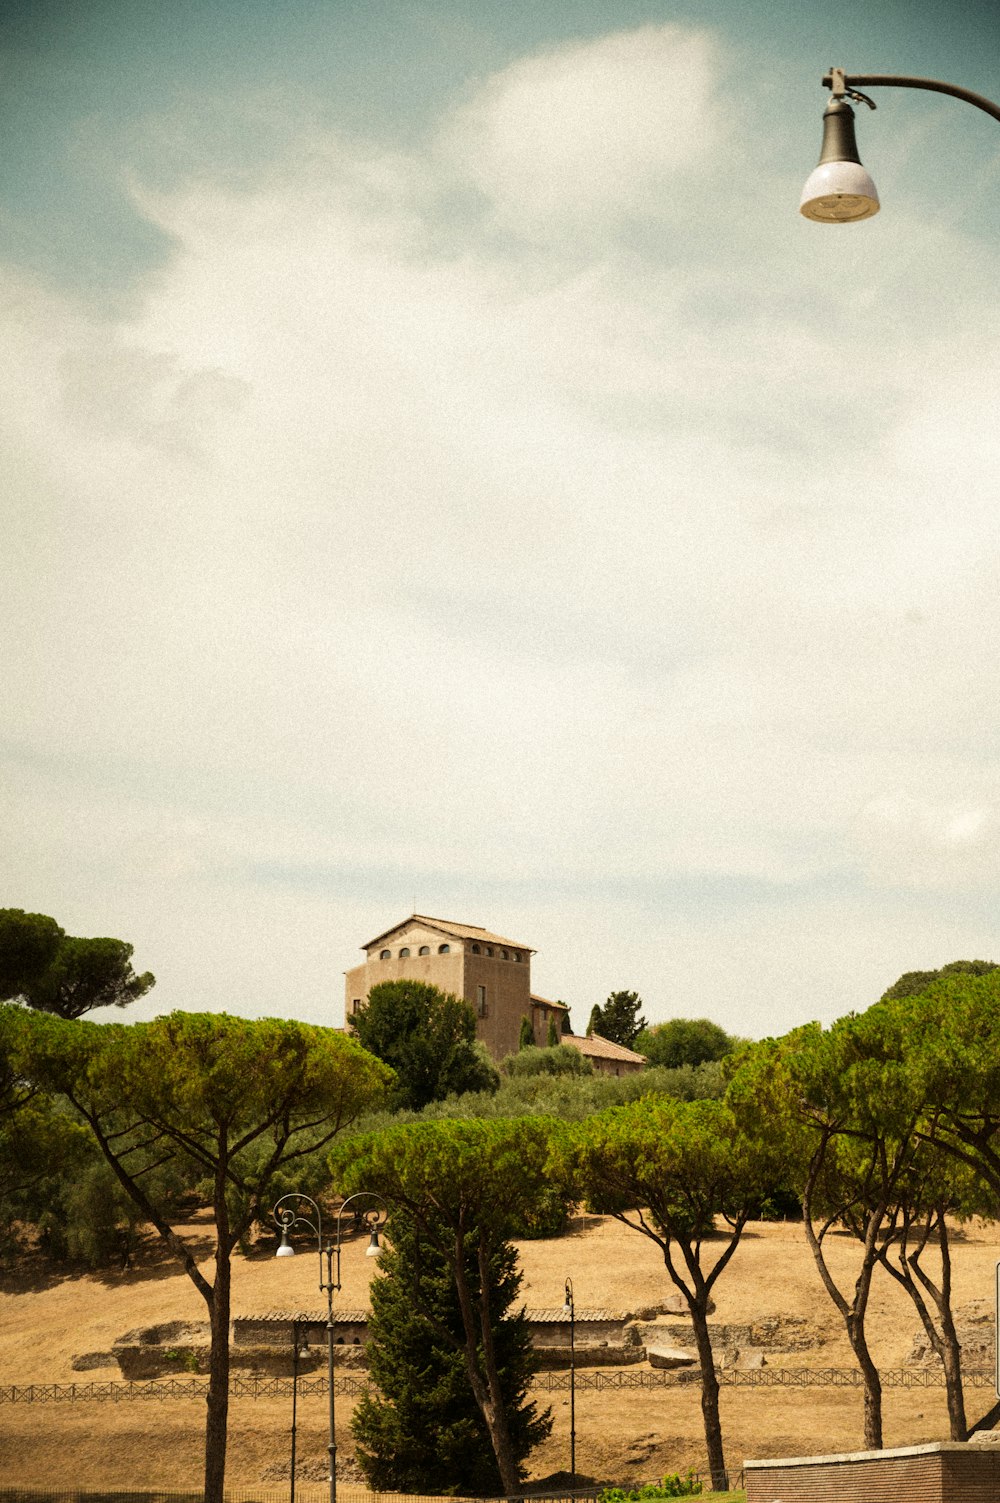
{"points": [[47, 1318]]}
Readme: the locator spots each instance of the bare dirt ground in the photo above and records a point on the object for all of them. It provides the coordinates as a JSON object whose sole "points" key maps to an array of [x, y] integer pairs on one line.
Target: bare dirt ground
{"points": [[48, 1317]]}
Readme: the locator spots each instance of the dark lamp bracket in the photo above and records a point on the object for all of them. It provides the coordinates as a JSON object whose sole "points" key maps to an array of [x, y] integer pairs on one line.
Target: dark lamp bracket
{"points": [[837, 84]]}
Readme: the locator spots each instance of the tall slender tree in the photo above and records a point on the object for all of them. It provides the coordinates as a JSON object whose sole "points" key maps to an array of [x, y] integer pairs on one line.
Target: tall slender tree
{"points": [[237, 1098], [687, 1176], [619, 1020]]}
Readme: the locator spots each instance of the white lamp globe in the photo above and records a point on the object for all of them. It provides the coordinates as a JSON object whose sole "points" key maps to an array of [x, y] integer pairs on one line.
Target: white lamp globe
{"points": [[839, 193]]}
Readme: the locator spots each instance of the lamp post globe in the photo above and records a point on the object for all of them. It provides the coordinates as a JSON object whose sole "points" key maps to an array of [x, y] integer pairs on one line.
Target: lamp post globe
{"points": [[839, 190]]}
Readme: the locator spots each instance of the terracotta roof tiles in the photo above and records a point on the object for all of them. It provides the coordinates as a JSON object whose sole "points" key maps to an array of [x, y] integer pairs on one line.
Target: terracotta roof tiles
{"points": [[447, 926], [594, 1047]]}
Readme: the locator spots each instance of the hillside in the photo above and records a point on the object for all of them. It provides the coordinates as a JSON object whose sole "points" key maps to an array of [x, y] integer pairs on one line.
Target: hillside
{"points": [[47, 1319]]}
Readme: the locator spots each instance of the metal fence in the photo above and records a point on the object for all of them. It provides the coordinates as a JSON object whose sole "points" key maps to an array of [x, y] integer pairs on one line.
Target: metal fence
{"points": [[615, 1379], [277, 1494]]}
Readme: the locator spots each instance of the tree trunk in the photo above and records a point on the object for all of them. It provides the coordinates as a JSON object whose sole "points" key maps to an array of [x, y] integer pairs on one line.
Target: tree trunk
{"points": [[217, 1421], [952, 1364], [506, 1460], [872, 1383], [853, 1312], [493, 1413], [709, 1397]]}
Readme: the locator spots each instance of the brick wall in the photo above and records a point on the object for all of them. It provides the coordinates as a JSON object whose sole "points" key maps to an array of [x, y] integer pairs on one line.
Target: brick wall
{"points": [[944, 1472]]}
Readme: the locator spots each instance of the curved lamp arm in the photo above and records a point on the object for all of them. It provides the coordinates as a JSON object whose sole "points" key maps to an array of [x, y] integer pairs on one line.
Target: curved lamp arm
{"points": [[837, 76], [373, 1219], [288, 1214]]}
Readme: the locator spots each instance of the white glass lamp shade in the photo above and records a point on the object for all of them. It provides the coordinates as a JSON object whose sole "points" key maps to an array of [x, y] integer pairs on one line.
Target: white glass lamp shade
{"points": [[839, 190], [285, 1250], [838, 193]]}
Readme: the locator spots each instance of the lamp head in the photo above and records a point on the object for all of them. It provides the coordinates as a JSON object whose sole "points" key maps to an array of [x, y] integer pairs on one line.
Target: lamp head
{"points": [[285, 1248], [373, 1249], [839, 190]]}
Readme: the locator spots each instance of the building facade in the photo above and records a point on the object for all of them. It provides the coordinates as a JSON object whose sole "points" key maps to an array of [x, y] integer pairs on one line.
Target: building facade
{"points": [[491, 973]]}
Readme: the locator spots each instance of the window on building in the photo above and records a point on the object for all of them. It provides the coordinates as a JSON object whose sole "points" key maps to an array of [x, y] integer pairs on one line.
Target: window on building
{"points": [[444, 949], [517, 955], [475, 950], [489, 949], [481, 1001], [356, 1005], [385, 955], [504, 955], [404, 954], [424, 950]]}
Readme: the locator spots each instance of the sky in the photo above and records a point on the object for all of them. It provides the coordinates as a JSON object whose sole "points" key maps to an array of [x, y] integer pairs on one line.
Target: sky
{"points": [[440, 471]]}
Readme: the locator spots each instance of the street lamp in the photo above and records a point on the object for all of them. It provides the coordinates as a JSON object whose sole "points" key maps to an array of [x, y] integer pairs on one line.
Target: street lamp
{"points": [[839, 190], [569, 1308], [287, 1217]]}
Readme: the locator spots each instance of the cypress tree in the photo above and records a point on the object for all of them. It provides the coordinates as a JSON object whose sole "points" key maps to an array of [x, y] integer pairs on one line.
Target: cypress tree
{"points": [[420, 1429]]}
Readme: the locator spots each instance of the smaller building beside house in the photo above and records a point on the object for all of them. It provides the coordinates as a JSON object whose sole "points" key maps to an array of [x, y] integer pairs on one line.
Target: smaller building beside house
{"points": [[605, 1057], [544, 1012]]}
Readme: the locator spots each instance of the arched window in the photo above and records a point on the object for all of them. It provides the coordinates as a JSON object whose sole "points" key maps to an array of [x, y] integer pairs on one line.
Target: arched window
{"points": [[475, 950], [444, 949], [424, 950], [517, 955], [385, 955], [504, 955], [489, 949], [404, 954]]}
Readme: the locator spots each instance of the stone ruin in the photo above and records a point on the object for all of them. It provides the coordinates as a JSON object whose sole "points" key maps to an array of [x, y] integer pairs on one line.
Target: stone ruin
{"points": [[262, 1344]]}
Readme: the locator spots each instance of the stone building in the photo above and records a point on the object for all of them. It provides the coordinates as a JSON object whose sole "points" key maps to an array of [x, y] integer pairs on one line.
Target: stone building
{"points": [[491, 973], [606, 1058]]}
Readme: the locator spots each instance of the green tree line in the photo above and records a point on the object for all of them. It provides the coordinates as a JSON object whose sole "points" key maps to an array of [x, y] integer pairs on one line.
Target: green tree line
{"points": [[885, 1125]]}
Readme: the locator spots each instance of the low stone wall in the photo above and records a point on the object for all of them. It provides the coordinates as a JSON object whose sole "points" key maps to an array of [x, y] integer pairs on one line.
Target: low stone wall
{"points": [[945, 1472], [603, 1331], [775, 1334], [277, 1329], [551, 1358], [603, 1338]]}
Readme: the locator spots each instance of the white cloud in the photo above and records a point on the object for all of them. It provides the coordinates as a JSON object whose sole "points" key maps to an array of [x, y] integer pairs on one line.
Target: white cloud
{"points": [[611, 128], [372, 553]]}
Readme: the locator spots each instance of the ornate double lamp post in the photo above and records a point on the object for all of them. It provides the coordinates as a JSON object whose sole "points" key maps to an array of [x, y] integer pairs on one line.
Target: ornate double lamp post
{"points": [[839, 190], [295, 1210]]}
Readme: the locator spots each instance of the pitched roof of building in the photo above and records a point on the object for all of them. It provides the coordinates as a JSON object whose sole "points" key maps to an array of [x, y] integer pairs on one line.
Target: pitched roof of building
{"points": [[447, 926], [544, 1002], [560, 1314], [597, 1048], [361, 1317]]}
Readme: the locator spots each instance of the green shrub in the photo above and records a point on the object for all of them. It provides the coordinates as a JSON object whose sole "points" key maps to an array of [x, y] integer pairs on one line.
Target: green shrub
{"points": [[557, 1059], [671, 1486]]}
